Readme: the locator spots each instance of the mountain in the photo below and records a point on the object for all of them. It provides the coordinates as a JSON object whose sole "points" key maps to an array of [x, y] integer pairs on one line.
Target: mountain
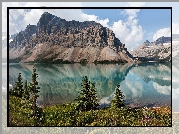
{"points": [[54, 39], [159, 50], [162, 40], [4, 45], [175, 37], [175, 48]]}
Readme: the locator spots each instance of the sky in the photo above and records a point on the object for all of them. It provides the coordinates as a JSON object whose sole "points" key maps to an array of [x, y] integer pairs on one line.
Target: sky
{"points": [[132, 26]]}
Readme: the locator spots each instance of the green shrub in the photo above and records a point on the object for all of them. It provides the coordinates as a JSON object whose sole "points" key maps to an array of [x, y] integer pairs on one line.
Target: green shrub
{"points": [[83, 61]]}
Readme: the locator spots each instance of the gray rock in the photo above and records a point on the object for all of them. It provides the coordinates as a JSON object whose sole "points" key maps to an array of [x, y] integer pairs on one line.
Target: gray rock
{"points": [[159, 50], [52, 31]]}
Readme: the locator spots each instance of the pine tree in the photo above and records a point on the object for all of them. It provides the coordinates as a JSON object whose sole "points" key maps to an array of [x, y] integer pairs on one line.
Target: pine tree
{"points": [[27, 101], [117, 101], [87, 99], [93, 96], [26, 94], [34, 95], [18, 89]]}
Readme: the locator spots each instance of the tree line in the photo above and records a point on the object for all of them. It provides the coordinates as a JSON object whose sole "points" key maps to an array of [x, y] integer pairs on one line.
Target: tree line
{"points": [[87, 99]]}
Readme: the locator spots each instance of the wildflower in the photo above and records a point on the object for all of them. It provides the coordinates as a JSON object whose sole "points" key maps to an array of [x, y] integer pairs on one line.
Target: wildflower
{"points": [[146, 117], [142, 121]]}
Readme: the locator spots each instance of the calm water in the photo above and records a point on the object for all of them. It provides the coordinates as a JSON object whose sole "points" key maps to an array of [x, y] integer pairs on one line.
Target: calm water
{"points": [[143, 85]]}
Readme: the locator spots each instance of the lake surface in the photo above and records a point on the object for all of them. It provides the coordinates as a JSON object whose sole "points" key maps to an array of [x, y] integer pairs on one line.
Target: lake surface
{"points": [[143, 85]]}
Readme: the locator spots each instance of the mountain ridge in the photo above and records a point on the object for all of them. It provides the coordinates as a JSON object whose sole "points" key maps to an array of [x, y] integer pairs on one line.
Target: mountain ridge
{"points": [[54, 33], [159, 50]]}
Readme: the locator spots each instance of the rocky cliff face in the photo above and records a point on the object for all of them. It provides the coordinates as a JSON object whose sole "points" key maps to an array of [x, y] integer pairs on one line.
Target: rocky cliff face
{"points": [[23, 37], [162, 40], [54, 39], [159, 50]]}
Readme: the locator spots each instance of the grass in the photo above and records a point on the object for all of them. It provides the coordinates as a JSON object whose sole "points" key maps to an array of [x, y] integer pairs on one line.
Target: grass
{"points": [[66, 115]]}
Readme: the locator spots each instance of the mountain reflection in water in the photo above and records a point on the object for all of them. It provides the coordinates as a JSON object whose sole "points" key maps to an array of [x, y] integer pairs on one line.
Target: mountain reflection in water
{"points": [[143, 85]]}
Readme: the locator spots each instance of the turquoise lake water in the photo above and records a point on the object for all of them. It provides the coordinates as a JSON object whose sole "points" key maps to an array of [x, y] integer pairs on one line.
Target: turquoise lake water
{"points": [[143, 85]]}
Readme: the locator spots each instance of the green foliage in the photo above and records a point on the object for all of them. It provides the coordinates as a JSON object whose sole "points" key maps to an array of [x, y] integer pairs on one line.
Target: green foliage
{"points": [[27, 52], [117, 101], [26, 93], [25, 112], [110, 61], [34, 95], [18, 115], [65, 115], [18, 89], [51, 60], [83, 61], [87, 99], [16, 60], [23, 103]]}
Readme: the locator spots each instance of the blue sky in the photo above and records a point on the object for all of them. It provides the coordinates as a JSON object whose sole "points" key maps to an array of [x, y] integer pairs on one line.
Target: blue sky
{"points": [[151, 20], [132, 27]]}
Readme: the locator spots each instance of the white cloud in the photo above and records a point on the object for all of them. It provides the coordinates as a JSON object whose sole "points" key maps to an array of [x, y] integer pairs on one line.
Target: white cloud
{"points": [[4, 13], [19, 19], [129, 32], [162, 32], [175, 28], [67, 14], [106, 100], [162, 89], [87, 17], [24, 18]]}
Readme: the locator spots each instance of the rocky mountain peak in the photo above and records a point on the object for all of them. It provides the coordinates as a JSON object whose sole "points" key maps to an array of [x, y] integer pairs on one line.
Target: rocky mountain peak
{"points": [[23, 37], [163, 40], [69, 38], [175, 37], [147, 41], [159, 50]]}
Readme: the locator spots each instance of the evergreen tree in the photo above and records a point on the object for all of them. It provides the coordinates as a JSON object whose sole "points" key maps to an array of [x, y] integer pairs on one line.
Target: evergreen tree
{"points": [[27, 101], [117, 101], [87, 99], [93, 96], [26, 94], [18, 89], [33, 88]]}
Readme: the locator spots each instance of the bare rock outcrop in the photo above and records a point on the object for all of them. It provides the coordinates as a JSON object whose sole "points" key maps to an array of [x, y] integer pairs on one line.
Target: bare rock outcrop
{"points": [[159, 50], [54, 39]]}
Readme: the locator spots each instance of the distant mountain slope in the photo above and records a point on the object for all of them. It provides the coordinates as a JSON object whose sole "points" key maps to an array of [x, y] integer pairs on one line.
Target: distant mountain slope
{"points": [[55, 39], [175, 48], [159, 50]]}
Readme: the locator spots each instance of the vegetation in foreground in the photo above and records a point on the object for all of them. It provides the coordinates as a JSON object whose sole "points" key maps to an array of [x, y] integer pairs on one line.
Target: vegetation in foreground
{"points": [[23, 110]]}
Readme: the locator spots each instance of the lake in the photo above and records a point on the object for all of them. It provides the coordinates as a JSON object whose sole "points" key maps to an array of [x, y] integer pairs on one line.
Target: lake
{"points": [[146, 84]]}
